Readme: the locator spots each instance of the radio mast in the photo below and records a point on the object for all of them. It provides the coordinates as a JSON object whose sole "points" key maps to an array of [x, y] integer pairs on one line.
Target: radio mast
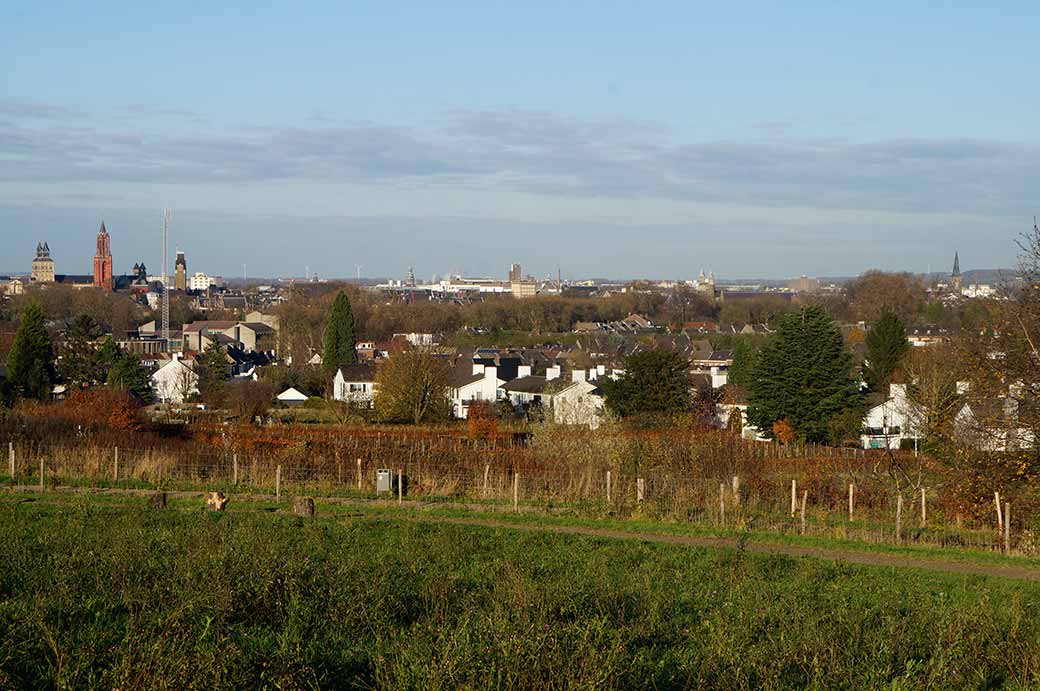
{"points": [[165, 279]]}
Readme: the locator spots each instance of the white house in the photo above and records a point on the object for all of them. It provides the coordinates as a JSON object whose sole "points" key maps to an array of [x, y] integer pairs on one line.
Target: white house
{"points": [[175, 381], [895, 419], [482, 385], [580, 403], [355, 384], [993, 424]]}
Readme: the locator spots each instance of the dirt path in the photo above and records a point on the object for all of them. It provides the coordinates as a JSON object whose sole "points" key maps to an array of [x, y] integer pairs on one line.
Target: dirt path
{"points": [[832, 554]]}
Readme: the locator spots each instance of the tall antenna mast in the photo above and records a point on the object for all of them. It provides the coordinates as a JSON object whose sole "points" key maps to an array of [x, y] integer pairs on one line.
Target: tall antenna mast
{"points": [[166, 214]]}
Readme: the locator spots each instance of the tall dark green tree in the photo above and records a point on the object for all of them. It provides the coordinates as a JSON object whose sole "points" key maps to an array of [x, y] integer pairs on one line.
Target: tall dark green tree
{"points": [[803, 376], [126, 374], [30, 363], [213, 371], [886, 349], [340, 343], [654, 382], [80, 364], [745, 357]]}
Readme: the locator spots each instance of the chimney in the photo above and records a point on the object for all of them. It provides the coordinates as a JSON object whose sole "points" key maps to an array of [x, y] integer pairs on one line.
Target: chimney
{"points": [[578, 375], [478, 368], [552, 372], [491, 373], [523, 371], [601, 370]]}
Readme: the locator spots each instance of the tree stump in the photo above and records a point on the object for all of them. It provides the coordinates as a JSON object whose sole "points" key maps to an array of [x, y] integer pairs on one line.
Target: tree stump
{"points": [[157, 500], [216, 501], [303, 506]]}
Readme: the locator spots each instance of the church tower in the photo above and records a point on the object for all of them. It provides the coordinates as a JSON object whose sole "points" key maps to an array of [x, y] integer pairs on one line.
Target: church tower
{"points": [[955, 275], [43, 265], [180, 266], [103, 261]]}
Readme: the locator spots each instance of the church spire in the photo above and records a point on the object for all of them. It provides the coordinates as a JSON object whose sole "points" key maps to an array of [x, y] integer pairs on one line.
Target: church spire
{"points": [[956, 265]]}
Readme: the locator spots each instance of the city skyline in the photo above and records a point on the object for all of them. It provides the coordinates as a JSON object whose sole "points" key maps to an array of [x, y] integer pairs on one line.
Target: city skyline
{"points": [[655, 141]]}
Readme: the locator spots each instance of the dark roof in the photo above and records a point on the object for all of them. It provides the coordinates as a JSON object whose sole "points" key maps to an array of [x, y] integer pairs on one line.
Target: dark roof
{"points": [[360, 372], [74, 279], [208, 326], [530, 384], [258, 327]]}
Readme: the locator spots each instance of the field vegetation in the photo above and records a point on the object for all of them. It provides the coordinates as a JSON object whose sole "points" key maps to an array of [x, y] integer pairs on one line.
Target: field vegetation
{"points": [[110, 594]]}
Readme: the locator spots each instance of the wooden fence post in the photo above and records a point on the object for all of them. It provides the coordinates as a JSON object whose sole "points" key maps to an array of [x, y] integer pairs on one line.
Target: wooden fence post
{"points": [[851, 491], [608, 486], [722, 503], [234, 469], [10, 456], [899, 517], [805, 496], [487, 471], [516, 492], [1007, 528], [794, 496], [1000, 518], [400, 487], [115, 466], [278, 482], [640, 489], [924, 509], [359, 474], [736, 490], [41, 473]]}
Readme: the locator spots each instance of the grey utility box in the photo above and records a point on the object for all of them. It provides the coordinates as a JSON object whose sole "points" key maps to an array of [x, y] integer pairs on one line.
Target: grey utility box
{"points": [[384, 480]]}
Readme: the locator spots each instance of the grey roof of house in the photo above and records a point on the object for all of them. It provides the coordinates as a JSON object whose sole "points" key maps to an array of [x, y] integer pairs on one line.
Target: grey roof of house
{"points": [[258, 327], [362, 372], [531, 384]]}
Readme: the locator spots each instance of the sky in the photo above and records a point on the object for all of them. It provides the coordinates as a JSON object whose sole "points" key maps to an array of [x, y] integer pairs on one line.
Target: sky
{"points": [[606, 139]]}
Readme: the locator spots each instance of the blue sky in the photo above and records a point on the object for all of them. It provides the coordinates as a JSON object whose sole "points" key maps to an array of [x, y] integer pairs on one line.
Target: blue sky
{"points": [[609, 139]]}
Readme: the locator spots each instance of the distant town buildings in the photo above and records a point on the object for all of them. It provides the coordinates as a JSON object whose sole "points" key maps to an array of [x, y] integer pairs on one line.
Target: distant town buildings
{"points": [[804, 284], [955, 275], [515, 273], [200, 281]]}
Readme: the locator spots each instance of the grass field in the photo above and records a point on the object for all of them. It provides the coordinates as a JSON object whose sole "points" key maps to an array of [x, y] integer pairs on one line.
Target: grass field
{"points": [[108, 594]]}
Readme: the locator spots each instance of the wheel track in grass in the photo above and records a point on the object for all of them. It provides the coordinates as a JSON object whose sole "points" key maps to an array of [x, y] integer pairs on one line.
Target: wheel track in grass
{"points": [[841, 555]]}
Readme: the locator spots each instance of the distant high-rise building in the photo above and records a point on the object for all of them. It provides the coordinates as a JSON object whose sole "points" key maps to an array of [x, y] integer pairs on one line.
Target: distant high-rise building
{"points": [[103, 260], [42, 265], [515, 273], [955, 275], [180, 266]]}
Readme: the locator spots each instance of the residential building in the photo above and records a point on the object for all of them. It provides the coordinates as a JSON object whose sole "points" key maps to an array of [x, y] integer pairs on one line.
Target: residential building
{"points": [[355, 384], [891, 422], [291, 398], [175, 381], [481, 384], [579, 403]]}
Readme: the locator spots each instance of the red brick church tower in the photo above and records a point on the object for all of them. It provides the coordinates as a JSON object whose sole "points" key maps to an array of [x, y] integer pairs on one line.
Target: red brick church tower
{"points": [[103, 260]]}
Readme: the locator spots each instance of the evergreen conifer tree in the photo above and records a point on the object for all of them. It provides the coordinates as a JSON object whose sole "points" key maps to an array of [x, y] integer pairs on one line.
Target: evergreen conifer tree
{"points": [[886, 349], [340, 343], [30, 364], [803, 377], [654, 382], [80, 365], [742, 371]]}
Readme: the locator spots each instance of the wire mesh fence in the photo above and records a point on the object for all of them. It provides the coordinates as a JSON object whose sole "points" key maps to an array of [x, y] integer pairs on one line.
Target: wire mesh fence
{"points": [[742, 486]]}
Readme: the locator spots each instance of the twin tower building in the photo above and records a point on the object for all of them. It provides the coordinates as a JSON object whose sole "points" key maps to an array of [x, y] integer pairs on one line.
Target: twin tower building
{"points": [[43, 267]]}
